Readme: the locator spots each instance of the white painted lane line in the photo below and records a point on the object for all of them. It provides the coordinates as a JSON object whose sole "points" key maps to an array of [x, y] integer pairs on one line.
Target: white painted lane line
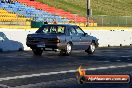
{"points": [[61, 72], [125, 56], [118, 60], [36, 75], [105, 61]]}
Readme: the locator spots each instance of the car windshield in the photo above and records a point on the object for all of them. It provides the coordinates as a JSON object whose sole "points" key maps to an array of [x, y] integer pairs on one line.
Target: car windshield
{"points": [[3, 36], [49, 29]]}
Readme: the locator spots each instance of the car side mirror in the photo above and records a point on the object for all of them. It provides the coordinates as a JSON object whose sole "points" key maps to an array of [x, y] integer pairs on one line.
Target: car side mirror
{"points": [[85, 34]]}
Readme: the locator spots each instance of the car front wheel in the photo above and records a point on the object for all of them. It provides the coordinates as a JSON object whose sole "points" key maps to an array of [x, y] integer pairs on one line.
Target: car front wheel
{"points": [[91, 48], [37, 51]]}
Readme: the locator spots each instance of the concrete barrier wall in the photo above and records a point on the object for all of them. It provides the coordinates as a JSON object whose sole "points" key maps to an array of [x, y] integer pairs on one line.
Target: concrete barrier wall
{"points": [[106, 37], [112, 38]]}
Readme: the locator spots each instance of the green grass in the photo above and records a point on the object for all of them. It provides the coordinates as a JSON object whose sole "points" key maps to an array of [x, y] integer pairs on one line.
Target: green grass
{"points": [[99, 7]]}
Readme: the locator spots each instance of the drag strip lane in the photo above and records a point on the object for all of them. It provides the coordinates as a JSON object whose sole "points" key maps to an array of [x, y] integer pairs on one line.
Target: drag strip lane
{"points": [[22, 68], [62, 80], [61, 72]]}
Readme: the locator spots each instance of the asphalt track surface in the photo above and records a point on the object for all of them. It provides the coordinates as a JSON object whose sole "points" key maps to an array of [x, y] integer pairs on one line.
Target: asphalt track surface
{"points": [[24, 70]]}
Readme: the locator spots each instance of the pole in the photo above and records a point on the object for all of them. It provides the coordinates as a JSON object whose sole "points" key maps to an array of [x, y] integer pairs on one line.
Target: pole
{"points": [[88, 11]]}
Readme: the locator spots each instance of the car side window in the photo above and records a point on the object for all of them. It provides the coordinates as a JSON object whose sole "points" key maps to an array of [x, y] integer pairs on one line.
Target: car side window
{"points": [[72, 31], [3, 36], [79, 31]]}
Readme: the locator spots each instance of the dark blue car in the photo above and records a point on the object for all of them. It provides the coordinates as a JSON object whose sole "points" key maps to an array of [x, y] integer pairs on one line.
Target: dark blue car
{"points": [[61, 37]]}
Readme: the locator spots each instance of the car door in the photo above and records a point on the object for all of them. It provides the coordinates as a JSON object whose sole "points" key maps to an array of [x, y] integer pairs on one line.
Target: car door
{"points": [[85, 40], [74, 38]]}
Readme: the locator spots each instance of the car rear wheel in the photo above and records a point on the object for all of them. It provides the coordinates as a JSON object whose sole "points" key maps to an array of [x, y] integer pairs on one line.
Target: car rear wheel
{"points": [[37, 51], [91, 48], [67, 51], [20, 49], [1, 50]]}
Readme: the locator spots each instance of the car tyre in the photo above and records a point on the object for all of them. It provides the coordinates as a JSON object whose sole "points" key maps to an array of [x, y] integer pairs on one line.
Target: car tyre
{"points": [[1, 50], [67, 51], [91, 48], [20, 49], [37, 51]]}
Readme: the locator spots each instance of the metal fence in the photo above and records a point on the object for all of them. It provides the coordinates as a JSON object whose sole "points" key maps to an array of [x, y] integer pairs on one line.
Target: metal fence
{"points": [[116, 21]]}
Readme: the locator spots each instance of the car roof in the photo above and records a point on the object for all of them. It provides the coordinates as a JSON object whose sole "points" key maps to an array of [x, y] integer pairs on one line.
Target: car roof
{"points": [[59, 25]]}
